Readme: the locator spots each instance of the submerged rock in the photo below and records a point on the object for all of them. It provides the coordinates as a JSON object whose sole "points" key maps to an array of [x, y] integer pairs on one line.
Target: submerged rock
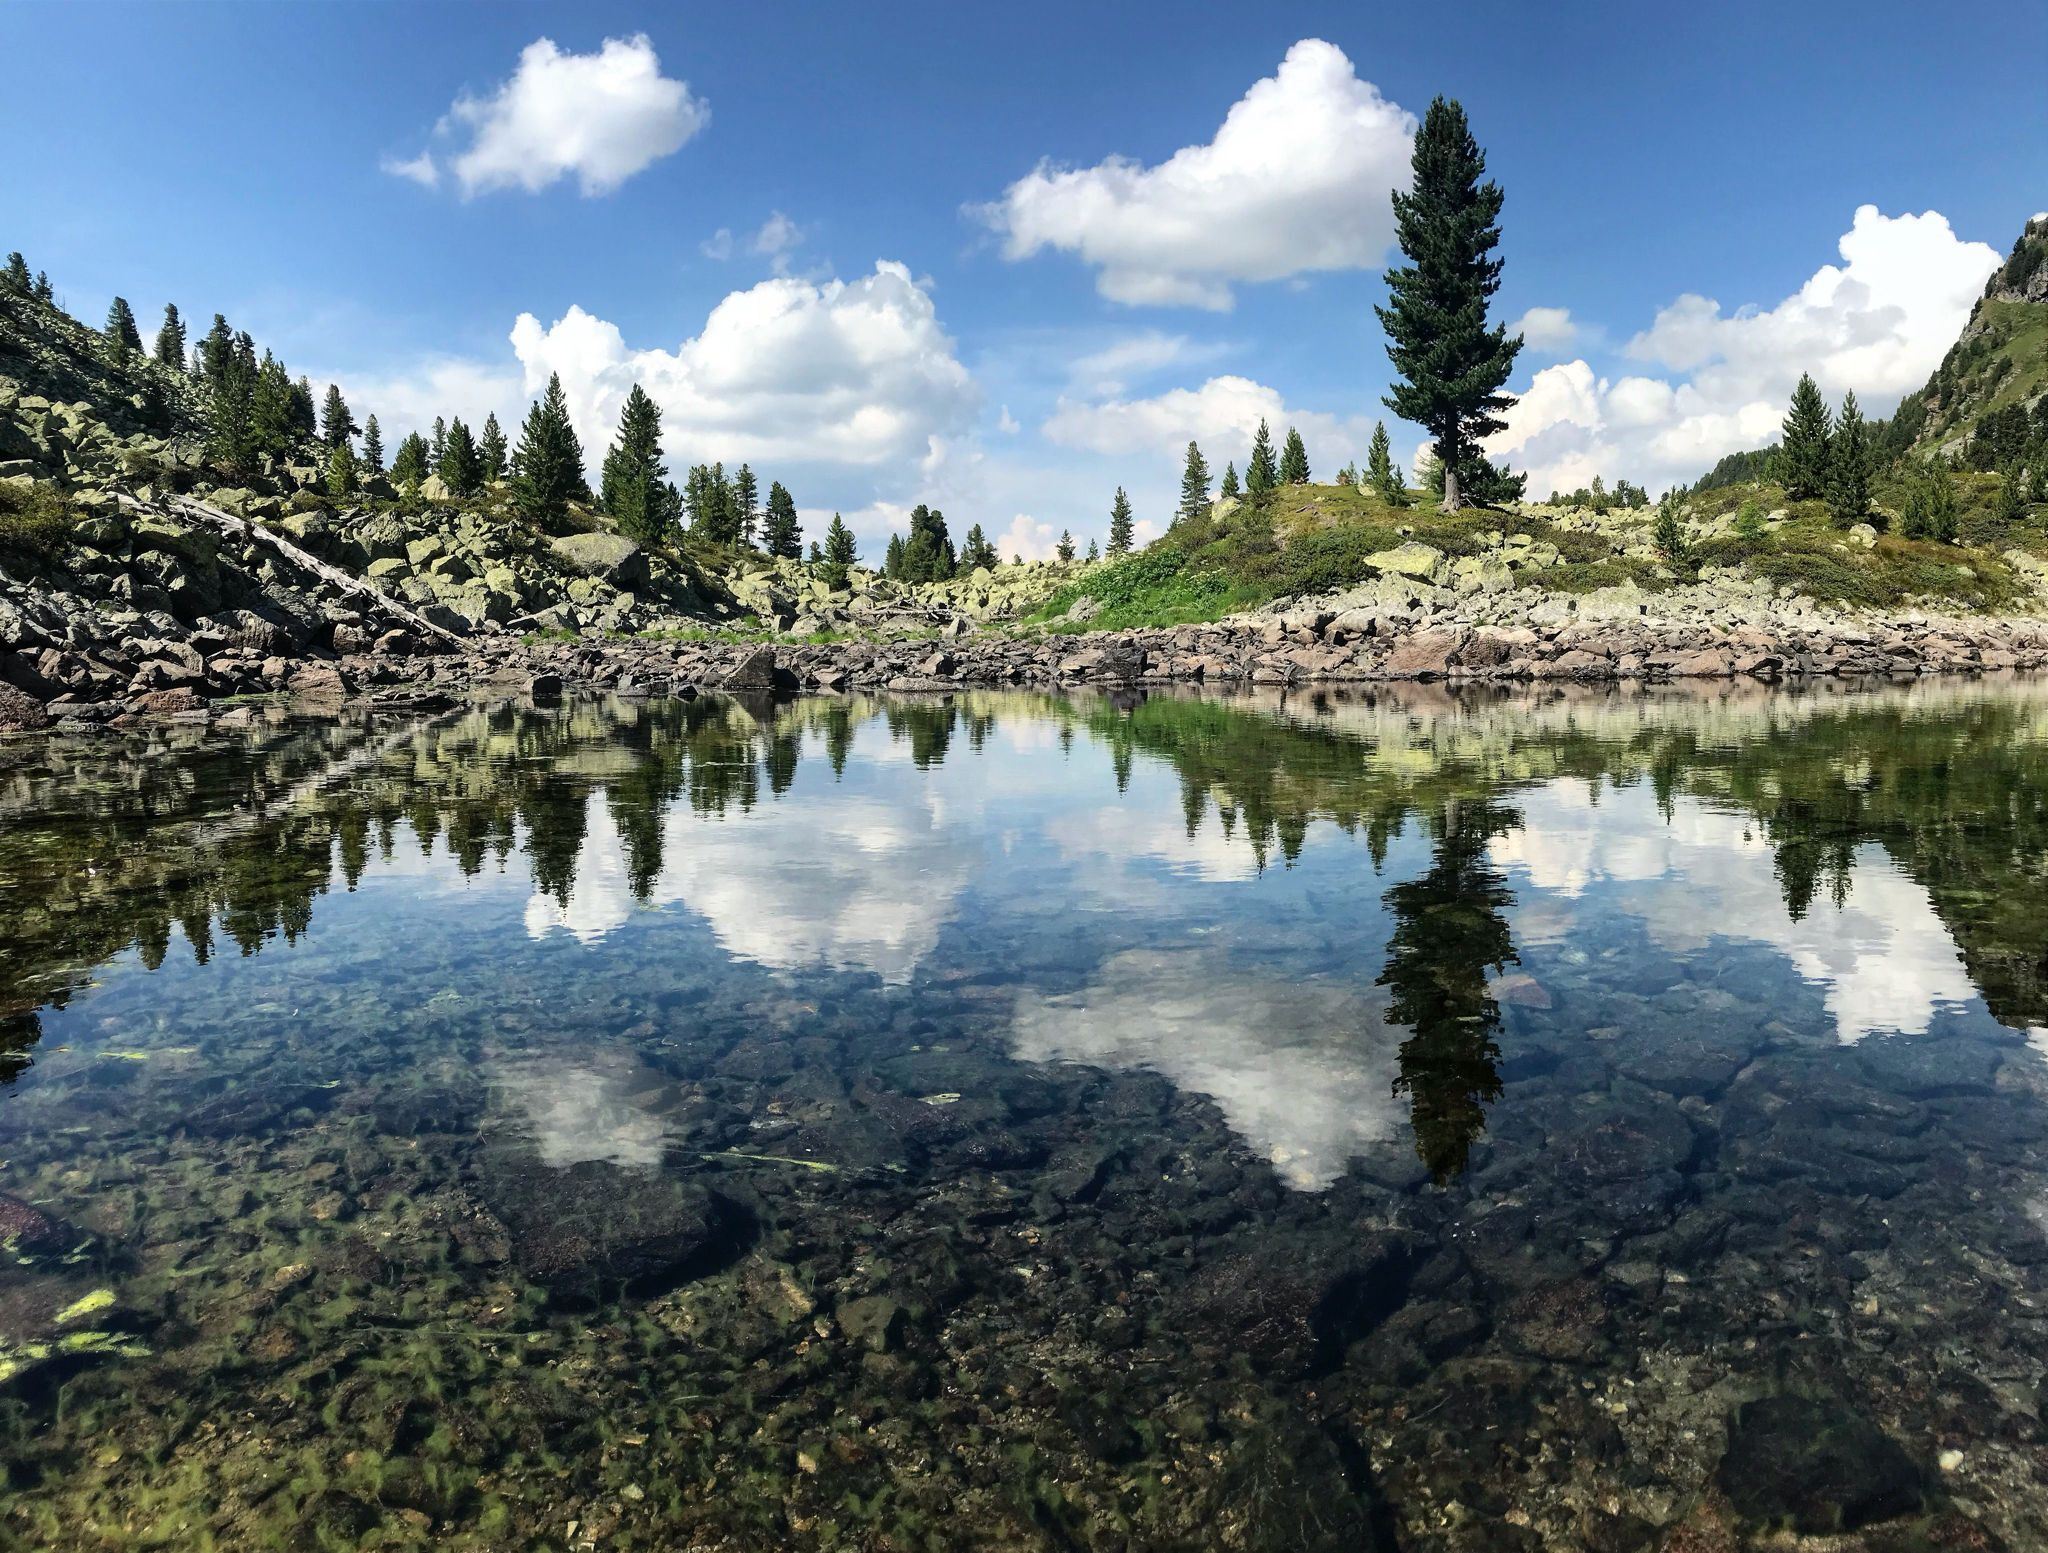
{"points": [[1817, 1466]]}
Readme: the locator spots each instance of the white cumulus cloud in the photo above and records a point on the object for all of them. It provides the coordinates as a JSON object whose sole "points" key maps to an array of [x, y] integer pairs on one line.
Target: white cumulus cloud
{"points": [[1296, 180], [1876, 324], [853, 373], [1222, 415], [1546, 328], [602, 117]]}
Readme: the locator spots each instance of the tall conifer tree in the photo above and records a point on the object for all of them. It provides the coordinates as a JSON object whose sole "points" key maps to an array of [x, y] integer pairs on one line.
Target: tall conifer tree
{"points": [[780, 534], [547, 466], [1452, 366], [1194, 485], [490, 448], [170, 339], [1262, 471], [1294, 459], [123, 338], [634, 485], [461, 469], [336, 424], [1849, 466], [1120, 526], [1229, 486], [840, 552], [1803, 454], [373, 446]]}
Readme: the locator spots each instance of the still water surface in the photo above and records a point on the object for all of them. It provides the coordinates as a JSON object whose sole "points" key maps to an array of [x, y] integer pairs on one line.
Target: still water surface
{"points": [[1384, 1121]]}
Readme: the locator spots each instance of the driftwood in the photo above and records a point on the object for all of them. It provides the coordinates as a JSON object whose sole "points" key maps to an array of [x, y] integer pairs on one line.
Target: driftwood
{"points": [[347, 586]]}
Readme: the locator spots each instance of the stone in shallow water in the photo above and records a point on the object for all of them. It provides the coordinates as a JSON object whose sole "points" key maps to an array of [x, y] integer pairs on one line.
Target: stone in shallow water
{"points": [[1293, 1310], [1816, 1465], [595, 1229]]}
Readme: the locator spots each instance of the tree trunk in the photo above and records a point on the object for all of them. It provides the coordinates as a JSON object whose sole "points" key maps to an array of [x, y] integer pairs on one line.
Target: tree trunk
{"points": [[1452, 501]]}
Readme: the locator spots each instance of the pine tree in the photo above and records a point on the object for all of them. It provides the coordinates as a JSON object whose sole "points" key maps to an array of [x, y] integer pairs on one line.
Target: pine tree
{"points": [[490, 449], [409, 465], [304, 422], [336, 424], [547, 466], [1451, 365], [170, 340], [1121, 529], [892, 562], [1668, 534], [273, 422], [780, 535], [462, 471], [1262, 473], [841, 553], [1229, 489], [976, 552], [746, 499], [2012, 494], [341, 471], [1293, 459], [216, 351], [231, 430], [928, 552], [1065, 549], [1093, 553], [1194, 486], [122, 337], [16, 277], [1802, 464], [44, 292], [439, 446], [373, 446], [1379, 463], [1849, 466], [1943, 521], [633, 485]]}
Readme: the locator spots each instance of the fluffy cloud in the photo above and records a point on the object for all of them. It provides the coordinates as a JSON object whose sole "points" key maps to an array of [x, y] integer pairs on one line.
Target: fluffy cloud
{"points": [[1223, 415], [1877, 324], [778, 238], [443, 386], [602, 117], [1111, 369], [1546, 328], [1296, 180], [1028, 537], [851, 373]]}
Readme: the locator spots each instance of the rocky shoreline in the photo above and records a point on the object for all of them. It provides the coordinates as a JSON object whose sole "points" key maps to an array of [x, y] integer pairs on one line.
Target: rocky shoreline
{"points": [[221, 674]]}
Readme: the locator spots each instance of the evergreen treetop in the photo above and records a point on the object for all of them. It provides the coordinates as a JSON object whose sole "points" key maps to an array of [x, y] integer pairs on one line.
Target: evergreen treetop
{"points": [[1229, 488], [123, 338], [1262, 471], [373, 446], [1849, 466], [780, 534], [841, 553], [633, 485], [336, 424], [170, 339], [490, 449], [462, 471]]}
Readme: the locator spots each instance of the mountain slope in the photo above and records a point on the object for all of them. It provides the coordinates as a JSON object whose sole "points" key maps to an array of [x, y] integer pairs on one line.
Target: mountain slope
{"points": [[1996, 371]]}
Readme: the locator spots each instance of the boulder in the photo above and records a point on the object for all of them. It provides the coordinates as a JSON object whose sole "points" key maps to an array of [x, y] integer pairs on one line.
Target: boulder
{"points": [[755, 674], [611, 558], [1817, 1465], [1423, 562], [20, 712]]}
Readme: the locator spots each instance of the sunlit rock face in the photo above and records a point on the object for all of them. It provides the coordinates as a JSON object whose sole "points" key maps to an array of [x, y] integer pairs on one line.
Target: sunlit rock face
{"points": [[1302, 1071], [1869, 939]]}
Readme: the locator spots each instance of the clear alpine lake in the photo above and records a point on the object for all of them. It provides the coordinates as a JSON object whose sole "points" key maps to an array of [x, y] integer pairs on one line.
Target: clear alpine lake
{"points": [[1354, 1120]]}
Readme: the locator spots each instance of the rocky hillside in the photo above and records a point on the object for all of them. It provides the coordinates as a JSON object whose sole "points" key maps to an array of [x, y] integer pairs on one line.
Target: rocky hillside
{"points": [[131, 571], [1997, 367]]}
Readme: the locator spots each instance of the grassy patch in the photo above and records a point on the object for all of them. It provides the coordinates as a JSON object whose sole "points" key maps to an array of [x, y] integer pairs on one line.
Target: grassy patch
{"points": [[35, 519]]}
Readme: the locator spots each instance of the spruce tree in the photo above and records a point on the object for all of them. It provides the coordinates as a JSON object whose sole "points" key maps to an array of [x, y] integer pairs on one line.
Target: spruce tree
{"points": [[341, 471], [231, 431], [1379, 463], [928, 552], [1121, 529], [1093, 553], [1943, 521], [461, 469], [1262, 473], [633, 486], [304, 422], [439, 446], [1668, 533], [17, 276], [1451, 365], [1065, 549], [1229, 488], [547, 466], [1194, 486], [373, 446], [1293, 459], [43, 289], [273, 424], [1849, 466], [840, 553], [892, 560], [1803, 453], [780, 535], [746, 503], [336, 424], [122, 337], [491, 449], [409, 465], [170, 339], [216, 351]]}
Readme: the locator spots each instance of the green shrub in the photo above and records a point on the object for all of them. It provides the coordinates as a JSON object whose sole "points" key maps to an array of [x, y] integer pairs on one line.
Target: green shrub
{"points": [[35, 518], [307, 500]]}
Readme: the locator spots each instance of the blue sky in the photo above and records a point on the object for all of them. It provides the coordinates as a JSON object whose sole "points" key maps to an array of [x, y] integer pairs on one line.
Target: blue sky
{"points": [[1033, 341]]}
